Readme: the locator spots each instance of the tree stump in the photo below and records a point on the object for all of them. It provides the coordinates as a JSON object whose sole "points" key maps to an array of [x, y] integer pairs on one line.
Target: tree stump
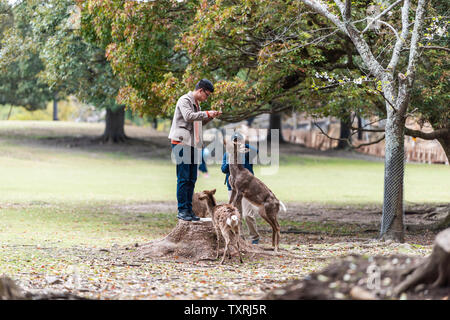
{"points": [[190, 240], [9, 290], [435, 270]]}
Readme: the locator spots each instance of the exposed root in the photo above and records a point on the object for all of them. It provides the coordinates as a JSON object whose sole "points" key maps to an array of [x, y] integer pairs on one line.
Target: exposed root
{"points": [[435, 271]]}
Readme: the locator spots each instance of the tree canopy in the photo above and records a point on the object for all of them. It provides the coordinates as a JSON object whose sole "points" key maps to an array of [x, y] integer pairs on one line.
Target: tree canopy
{"points": [[19, 81], [263, 57], [139, 39]]}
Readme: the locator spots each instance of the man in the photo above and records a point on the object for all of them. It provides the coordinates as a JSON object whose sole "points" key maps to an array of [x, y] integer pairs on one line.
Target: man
{"points": [[249, 211], [186, 139]]}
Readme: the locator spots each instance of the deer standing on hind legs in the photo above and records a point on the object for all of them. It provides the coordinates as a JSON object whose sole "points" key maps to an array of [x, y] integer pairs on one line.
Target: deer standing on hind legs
{"points": [[246, 185], [226, 222]]}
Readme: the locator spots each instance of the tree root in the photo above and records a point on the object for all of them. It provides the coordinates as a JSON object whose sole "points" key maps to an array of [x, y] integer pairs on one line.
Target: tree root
{"points": [[114, 138], [435, 271]]}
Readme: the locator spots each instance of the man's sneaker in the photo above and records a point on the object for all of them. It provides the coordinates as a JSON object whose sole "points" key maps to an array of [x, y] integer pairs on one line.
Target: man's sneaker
{"points": [[184, 216], [194, 217], [255, 241]]}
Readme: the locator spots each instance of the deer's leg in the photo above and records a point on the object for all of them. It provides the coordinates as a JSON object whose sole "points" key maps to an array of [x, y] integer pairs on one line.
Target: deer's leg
{"points": [[238, 246], [227, 241], [238, 202], [233, 195], [218, 243], [275, 226], [269, 215]]}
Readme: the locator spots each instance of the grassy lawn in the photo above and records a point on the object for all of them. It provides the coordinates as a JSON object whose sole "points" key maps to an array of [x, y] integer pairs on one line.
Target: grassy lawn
{"points": [[62, 175]]}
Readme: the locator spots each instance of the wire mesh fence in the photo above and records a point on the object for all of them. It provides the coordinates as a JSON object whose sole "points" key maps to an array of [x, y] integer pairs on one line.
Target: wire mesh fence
{"points": [[393, 205]]}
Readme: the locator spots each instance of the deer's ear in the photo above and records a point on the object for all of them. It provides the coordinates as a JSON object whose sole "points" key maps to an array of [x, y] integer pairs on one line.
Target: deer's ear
{"points": [[213, 191], [202, 197]]}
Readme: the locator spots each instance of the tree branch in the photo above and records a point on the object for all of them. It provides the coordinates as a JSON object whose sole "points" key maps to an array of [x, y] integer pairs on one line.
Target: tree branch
{"points": [[436, 134], [400, 40], [436, 48], [347, 10], [413, 53], [348, 140], [367, 130], [322, 9], [370, 143], [380, 15], [361, 45], [389, 102]]}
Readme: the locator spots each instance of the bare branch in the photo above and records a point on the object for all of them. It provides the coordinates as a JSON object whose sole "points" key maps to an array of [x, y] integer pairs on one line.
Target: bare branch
{"points": [[367, 130], [380, 15], [348, 140], [371, 123], [392, 28], [387, 100], [370, 143], [436, 48], [340, 6], [413, 53], [400, 40]]}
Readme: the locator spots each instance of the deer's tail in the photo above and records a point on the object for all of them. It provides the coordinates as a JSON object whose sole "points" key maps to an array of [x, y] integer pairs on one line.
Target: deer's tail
{"points": [[233, 221], [283, 206]]}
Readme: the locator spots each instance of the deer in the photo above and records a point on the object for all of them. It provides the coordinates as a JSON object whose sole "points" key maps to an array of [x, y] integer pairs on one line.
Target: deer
{"points": [[245, 184], [226, 221], [198, 206]]}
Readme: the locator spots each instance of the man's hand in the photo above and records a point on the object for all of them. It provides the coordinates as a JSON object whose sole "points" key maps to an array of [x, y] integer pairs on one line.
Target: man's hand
{"points": [[214, 113]]}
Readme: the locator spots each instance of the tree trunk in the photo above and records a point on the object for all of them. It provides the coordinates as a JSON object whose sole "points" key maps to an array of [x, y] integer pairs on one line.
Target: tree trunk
{"points": [[55, 110], [360, 132], [275, 123], [392, 220], [445, 143], [9, 113], [344, 134], [114, 126]]}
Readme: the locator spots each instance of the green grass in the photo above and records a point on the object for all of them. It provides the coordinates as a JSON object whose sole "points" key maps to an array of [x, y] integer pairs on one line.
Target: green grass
{"points": [[59, 175], [49, 238], [65, 226]]}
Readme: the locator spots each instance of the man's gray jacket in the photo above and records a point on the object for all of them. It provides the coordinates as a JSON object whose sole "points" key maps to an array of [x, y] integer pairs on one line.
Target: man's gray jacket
{"points": [[182, 128]]}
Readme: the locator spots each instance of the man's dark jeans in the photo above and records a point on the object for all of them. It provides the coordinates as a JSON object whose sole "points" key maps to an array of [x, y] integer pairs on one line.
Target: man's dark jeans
{"points": [[186, 175]]}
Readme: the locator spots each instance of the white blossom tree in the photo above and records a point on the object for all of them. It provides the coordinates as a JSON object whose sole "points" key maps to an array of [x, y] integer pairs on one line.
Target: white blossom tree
{"points": [[395, 86]]}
